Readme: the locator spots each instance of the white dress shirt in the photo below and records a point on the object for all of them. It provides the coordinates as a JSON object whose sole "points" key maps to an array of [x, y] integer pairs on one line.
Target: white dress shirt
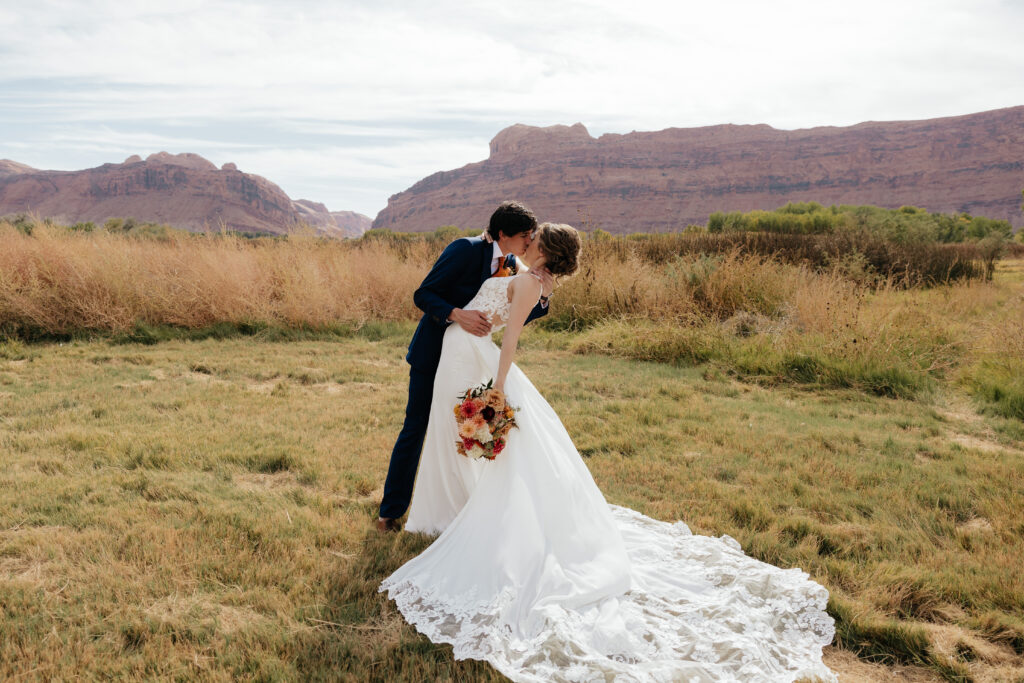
{"points": [[496, 259]]}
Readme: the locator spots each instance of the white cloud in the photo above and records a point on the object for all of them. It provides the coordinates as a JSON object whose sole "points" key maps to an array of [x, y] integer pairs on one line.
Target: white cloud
{"points": [[378, 94]]}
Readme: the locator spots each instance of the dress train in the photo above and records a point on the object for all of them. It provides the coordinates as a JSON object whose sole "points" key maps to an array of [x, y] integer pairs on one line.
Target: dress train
{"points": [[537, 574]]}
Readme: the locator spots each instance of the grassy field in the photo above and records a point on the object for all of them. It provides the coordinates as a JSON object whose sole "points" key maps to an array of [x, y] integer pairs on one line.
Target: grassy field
{"points": [[194, 431], [203, 508]]}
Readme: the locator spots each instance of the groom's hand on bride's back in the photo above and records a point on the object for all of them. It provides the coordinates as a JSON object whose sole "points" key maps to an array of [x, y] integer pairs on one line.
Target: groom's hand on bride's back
{"points": [[473, 322]]}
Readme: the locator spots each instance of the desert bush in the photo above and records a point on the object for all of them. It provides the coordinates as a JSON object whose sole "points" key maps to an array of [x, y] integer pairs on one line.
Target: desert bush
{"points": [[991, 249], [905, 225], [911, 264], [22, 222]]}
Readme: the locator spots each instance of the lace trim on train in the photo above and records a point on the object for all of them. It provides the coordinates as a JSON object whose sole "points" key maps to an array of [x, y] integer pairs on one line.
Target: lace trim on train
{"points": [[760, 623]]}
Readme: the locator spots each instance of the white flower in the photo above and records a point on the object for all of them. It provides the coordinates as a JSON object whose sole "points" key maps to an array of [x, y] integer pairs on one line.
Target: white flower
{"points": [[476, 452], [483, 435]]}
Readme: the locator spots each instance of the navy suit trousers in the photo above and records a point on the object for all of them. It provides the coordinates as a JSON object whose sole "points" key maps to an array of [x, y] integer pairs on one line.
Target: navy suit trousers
{"points": [[405, 457]]}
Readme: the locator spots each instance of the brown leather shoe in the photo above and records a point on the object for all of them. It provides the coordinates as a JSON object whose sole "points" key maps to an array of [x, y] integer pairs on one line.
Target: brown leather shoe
{"points": [[385, 524]]}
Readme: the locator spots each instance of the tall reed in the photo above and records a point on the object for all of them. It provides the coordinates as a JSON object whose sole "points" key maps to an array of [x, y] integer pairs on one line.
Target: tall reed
{"points": [[55, 282]]}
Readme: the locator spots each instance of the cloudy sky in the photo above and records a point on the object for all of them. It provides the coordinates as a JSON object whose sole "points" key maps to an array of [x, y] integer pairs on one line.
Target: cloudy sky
{"points": [[348, 102]]}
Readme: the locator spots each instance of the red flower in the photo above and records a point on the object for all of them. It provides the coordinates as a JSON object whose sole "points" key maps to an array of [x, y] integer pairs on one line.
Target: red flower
{"points": [[468, 408], [499, 446], [468, 443]]}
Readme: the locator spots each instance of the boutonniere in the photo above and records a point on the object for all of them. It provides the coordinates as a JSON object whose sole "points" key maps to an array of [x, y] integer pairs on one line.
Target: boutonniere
{"points": [[509, 266]]}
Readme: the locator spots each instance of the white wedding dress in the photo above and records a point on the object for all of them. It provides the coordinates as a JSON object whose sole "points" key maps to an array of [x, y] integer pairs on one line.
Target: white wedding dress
{"points": [[537, 574]]}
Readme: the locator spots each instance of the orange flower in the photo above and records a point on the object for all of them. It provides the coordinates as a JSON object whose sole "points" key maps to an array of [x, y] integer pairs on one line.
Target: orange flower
{"points": [[494, 399], [467, 429]]}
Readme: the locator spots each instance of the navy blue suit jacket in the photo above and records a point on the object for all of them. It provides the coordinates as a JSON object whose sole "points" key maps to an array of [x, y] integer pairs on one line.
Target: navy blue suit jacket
{"points": [[453, 281]]}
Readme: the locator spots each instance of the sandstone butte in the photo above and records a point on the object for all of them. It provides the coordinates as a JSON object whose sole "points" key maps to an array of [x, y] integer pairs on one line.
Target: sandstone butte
{"points": [[182, 190], [666, 180]]}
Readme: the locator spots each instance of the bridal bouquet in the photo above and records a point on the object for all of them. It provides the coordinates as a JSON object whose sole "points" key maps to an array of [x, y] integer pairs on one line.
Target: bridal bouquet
{"points": [[484, 421]]}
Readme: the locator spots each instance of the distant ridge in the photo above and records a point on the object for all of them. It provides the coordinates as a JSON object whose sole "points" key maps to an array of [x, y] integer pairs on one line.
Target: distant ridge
{"points": [[662, 181], [182, 190]]}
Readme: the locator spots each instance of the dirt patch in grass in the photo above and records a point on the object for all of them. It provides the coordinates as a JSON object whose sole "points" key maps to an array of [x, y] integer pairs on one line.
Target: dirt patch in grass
{"points": [[959, 410], [257, 481], [985, 661], [201, 609], [977, 444], [967, 427], [357, 386], [978, 525], [133, 385], [262, 387], [23, 570]]}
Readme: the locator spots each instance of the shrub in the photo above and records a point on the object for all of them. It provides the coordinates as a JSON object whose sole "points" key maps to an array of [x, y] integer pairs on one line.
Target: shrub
{"points": [[907, 224], [22, 222]]}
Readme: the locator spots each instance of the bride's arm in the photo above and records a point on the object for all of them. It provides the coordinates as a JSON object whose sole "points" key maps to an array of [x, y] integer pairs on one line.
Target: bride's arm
{"points": [[525, 292]]}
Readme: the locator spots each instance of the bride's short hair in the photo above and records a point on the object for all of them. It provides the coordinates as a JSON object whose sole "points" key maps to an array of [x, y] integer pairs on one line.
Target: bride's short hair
{"points": [[560, 244]]}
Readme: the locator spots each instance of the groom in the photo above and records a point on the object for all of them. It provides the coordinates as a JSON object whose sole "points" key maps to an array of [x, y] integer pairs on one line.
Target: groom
{"points": [[455, 278]]}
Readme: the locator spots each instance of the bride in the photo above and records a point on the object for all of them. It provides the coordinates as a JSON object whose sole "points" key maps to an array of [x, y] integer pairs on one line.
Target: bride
{"points": [[537, 574]]}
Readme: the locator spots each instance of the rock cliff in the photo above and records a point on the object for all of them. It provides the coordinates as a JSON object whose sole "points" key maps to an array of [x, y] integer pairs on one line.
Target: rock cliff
{"points": [[665, 180], [183, 190]]}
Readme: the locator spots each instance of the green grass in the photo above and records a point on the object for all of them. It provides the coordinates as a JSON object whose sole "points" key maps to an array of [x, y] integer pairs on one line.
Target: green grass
{"points": [[755, 358], [202, 507], [144, 333], [999, 383]]}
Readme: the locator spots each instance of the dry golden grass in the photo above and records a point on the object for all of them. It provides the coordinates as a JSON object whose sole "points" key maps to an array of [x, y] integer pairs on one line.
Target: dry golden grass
{"points": [[760, 317], [56, 282], [788, 323]]}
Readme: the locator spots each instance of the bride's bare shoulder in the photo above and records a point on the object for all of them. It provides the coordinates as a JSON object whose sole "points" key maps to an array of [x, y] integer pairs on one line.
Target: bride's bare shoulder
{"points": [[524, 284]]}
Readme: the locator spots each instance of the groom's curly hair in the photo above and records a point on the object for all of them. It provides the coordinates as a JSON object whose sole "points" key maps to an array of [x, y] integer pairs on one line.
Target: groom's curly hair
{"points": [[511, 218], [561, 245]]}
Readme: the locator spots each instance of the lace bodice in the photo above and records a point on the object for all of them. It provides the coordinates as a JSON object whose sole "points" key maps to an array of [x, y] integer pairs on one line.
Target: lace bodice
{"points": [[493, 300]]}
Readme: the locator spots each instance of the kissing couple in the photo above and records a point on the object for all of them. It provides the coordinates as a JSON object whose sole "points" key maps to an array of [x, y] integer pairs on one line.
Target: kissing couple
{"points": [[533, 570]]}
